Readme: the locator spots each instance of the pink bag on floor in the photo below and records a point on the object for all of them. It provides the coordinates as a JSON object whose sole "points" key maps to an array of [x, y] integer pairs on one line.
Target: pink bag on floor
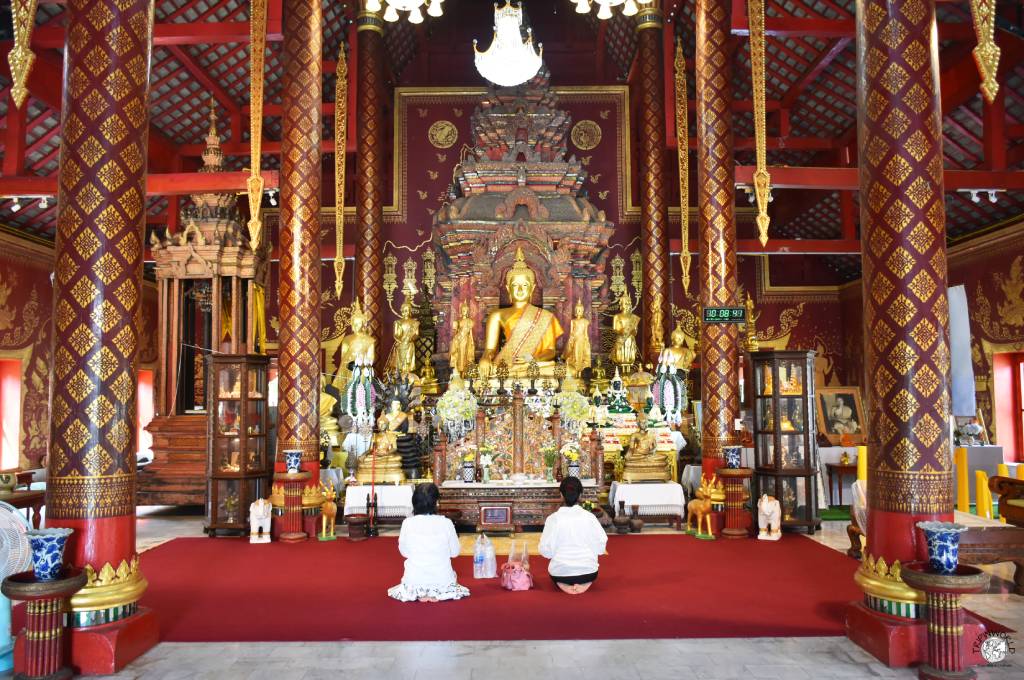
{"points": [[515, 574]]}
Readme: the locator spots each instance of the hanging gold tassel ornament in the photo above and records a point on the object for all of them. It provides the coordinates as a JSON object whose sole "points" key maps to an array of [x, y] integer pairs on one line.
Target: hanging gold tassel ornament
{"points": [[254, 185], [683, 146], [762, 180], [986, 53], [21, 57], [340, 142]]}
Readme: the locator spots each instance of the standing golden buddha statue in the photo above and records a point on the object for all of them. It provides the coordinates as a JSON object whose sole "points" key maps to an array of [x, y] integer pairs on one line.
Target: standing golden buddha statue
{"points": [[625, 323], [403, 354], [577, 348], [463, 348], [678, 356], [530, 332], [357, 348]]}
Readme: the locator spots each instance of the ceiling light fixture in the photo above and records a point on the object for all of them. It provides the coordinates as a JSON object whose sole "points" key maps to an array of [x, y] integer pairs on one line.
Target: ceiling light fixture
{"points": [[44, 202], [604, 7], [17, 205], [273, 197], [510, 60], [413, 7]]}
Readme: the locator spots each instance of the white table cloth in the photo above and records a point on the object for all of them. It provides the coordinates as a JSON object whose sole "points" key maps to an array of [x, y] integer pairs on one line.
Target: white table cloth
{"points": [[653, 499], [392, 501]]}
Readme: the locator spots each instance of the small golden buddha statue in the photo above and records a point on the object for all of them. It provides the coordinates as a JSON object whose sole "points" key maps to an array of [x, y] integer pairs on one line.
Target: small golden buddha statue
{"points": [[577, 347], [382, 463], [530, 332], [462, 351], [751, 344], [599, 381], [572, 382], [678, 356], [642, 462], [428, 379], [403, 354], [358, 347], [328, 422], [625, 324]]}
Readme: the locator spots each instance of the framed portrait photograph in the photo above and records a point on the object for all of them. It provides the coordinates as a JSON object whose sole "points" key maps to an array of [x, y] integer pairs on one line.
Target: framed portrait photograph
{"points": [[841, 412]]}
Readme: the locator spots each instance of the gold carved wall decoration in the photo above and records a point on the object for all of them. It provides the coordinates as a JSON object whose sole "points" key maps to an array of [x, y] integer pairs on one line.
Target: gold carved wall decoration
{"points": [[429, 270], [254, 185], [340, 145], [443, 134], [586, 135], [618, 278], [1005, 325], [390, 278], [409, 285], [762, 180], [1012, 287], [986, 53], [637, 262], [21, 57], [683, 148], [7, 315]]}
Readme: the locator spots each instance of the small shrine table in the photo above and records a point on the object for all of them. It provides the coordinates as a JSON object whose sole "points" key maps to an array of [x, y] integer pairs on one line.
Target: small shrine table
{"points": [[392, 501], [945, 616], [27, 499], [291, 520], [839, 470], [654, 500], [737, 517], [44, 621], [505, 505]]}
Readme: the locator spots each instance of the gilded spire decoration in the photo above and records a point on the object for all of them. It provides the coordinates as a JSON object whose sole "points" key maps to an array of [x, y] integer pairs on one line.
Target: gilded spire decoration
{"points": [[986, 53], [258, 44], [762, 180], [21, 57], [340, 142], [683, 144]]}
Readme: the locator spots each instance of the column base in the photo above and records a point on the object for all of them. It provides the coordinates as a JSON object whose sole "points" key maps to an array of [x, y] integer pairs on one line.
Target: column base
{"points": [[106, 649], [900, 643], [926, 672]]}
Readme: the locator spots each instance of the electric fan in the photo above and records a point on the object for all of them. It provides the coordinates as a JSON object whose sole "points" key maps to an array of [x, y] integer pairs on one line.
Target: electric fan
{"points": [[15, 557]]}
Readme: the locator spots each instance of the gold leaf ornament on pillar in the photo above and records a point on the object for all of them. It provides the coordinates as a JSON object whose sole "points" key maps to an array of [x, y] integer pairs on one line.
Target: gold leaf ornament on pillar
{"points": [[340, 144], [21, 57], [254, 185], [762, 180], [683, 148], [986, 53]]}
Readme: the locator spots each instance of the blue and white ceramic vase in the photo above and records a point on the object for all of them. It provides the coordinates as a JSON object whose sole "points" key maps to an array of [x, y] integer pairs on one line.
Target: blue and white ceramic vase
{"points": [[943, 545], [733, 456], [48, 552], [292, 461], [468, 471], [573, 469]]}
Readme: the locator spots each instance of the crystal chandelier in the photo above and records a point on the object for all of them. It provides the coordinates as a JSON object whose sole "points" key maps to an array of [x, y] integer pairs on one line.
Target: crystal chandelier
{"points": [[604, 7], [410, 6], [510, 60]]}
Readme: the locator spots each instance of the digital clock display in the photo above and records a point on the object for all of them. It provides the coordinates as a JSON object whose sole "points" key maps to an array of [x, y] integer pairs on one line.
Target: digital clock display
{"points": [[725, 315]]}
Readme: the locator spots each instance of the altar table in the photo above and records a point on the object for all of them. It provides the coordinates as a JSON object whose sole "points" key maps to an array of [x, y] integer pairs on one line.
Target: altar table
{"points": [[660, 500], [392, 501], [528, 503]]}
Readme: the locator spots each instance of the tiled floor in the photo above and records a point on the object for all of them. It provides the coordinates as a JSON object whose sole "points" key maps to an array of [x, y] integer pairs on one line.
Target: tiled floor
{"points": [[780, 658]]}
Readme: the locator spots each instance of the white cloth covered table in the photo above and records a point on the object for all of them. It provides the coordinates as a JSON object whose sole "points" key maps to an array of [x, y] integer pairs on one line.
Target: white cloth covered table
{"points": [[392, 501], [653, 499]]}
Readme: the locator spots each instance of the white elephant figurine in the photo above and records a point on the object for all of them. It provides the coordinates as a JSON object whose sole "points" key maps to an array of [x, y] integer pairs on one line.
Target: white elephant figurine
{"points": [[259, 521], [769, 515]]}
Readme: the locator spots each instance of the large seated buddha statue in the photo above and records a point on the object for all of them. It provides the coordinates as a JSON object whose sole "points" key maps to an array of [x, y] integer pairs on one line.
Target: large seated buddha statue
{"points": [[643, 462], [529, 332]]}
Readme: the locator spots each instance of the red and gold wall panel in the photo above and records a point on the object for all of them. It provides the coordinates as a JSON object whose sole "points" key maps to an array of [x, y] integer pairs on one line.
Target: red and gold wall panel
{"points": [[299, 288]]}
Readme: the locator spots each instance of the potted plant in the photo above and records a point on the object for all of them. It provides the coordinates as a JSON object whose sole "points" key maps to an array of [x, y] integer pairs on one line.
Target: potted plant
{"points": [[550, 458], [469, 464]]}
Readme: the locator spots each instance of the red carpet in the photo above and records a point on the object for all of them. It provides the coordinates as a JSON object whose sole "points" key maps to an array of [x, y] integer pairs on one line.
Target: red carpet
{"points": [[671, 586]]}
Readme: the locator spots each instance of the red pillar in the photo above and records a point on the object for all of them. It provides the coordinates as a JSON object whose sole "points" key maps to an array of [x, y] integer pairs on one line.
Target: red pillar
{"points": [[653, 208], [100, 225], [905, 309], [302, 126], [716, 228], [370, 170]]}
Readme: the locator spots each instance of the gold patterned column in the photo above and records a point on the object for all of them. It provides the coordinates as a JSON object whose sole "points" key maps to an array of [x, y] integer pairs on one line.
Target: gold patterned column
{"points": [[906, 316], [370, 169], [299, 355], [97, 291], [653, 208], [716, 228]]}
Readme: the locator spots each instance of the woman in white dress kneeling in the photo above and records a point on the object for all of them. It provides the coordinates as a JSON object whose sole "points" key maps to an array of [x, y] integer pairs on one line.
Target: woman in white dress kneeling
{"points": [[572, 540], [428, 543]]}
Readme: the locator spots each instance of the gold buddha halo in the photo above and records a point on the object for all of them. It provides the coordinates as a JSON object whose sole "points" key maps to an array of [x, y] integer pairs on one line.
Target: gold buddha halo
{"points": [[340, 143], [986, 53], [254, 185], [683, 147], [21, 57], [762, 180]]}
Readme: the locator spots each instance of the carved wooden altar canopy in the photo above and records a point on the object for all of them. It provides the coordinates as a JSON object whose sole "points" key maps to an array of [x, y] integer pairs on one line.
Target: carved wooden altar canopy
{"points": [[518, 188]]}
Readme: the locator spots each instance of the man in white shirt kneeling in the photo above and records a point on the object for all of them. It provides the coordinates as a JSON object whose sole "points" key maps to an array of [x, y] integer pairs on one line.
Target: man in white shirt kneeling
{"points": [[572, 540]]}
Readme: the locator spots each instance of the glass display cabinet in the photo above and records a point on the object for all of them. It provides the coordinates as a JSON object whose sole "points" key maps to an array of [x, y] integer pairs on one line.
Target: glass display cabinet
{"points": [[238, 465], [785, 435]]}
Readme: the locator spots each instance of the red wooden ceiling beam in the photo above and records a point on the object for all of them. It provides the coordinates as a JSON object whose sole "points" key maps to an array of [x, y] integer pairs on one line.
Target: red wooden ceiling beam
{"points": [[784, 247], [204, 79], [812, 73], [193, 33], [791, 143], [784, 177], [163, 184], [268, 147], [814, 27]]}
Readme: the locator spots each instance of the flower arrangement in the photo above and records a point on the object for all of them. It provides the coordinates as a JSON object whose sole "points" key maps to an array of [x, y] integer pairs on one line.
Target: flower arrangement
{"points": [[571, 451], [574, 409], [549, 451], [486, 455], [470, 453], [456, 410]]}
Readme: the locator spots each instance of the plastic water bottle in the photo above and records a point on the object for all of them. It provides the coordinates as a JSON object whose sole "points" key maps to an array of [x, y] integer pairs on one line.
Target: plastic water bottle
{"points": [[478, 557], [490, 560]]}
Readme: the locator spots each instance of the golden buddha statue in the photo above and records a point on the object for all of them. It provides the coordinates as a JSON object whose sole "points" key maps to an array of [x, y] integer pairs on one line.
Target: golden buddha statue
{"points": [[642, 462], [678, 356], [530, 332], [751, 344], [403, 354], [624, 324], [577, 348], [358, 347], [599, 382], [328, 422], [463, 348], [382, 463]]}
